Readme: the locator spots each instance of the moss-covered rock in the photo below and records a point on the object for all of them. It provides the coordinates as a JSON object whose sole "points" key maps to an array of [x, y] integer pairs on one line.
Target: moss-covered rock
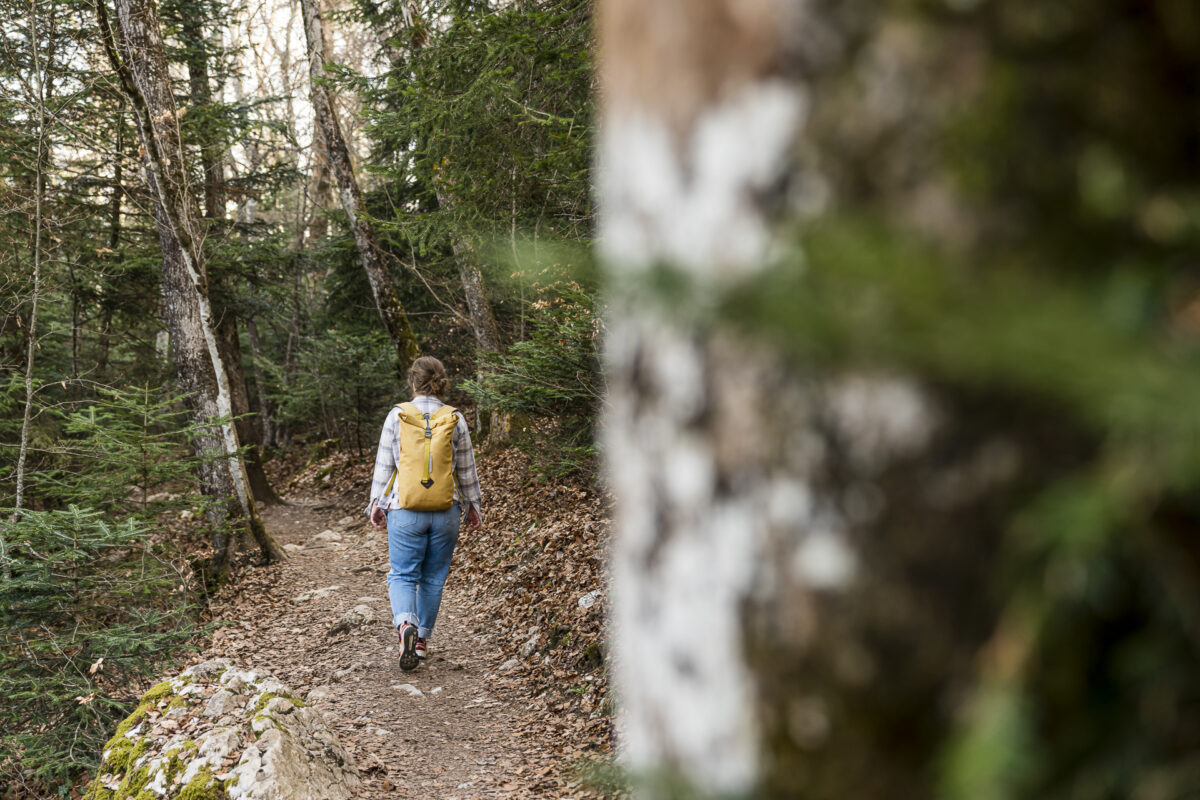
{"points": [[203, 787], [267, 697], [176, 745]]}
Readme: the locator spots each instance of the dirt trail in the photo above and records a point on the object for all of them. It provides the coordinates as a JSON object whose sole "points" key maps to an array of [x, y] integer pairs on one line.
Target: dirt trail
{"points": [[459, 739]]}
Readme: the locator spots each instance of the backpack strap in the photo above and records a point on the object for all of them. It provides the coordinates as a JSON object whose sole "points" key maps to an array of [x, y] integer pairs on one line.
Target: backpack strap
{"points": [[406, 410], [441, 413]]}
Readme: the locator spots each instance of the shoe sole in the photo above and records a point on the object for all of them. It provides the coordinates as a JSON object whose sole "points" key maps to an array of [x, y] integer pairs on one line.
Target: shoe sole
{"points": [[408, 649]]}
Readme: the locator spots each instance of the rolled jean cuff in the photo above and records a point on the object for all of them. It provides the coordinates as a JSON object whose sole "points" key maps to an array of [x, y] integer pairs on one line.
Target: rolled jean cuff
{"points": [[424, 633], [400, 619]]}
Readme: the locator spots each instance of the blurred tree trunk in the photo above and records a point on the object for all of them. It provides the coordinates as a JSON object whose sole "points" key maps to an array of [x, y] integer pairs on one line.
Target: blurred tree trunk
{"points": [[134, 46], [710, 443], [395, 320], [796, 608], [693, 530]]}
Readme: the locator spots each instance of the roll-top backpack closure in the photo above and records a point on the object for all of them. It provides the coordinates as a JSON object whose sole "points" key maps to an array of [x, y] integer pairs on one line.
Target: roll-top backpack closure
{"points": [[424, 476]]}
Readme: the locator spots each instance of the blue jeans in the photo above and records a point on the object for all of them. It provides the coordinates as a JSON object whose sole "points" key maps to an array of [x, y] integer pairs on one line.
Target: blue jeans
{"points": [[420, 545]]}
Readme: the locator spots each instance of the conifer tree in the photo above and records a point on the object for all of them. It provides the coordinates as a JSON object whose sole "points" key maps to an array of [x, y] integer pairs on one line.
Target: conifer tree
{"points": [[91, 606]]}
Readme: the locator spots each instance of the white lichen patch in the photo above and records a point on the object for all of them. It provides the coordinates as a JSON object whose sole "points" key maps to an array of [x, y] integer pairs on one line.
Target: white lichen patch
{"points": [[824, 560], [696, 204], [216, 732], [880, 418]]}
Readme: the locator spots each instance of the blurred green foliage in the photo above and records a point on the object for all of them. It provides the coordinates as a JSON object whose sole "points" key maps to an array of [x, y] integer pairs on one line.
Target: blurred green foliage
{"points": [[1016, 223], [1096, 565]]}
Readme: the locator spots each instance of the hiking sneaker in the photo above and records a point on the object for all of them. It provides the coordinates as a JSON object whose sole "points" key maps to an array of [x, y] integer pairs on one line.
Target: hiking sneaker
{"points": [[421, 647], [408, 646]]}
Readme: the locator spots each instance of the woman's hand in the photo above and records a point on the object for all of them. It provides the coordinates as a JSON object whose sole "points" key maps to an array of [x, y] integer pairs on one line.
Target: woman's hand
{"points": [[473, 519], [378, 516]]}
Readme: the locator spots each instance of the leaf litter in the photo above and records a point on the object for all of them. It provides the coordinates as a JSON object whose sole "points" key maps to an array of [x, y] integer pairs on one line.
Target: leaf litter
{"points": [[513, 700]]}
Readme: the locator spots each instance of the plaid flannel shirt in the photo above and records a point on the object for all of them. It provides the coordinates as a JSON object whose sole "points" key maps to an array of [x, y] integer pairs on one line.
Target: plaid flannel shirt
{"points": [[389, 455]]}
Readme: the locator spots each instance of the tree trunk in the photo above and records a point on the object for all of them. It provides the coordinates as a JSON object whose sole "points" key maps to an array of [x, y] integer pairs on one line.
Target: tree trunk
{"points": [[114, 238], [284, 435], [248, 433], [75, 323], [41, 157], [322, 190], [135, 48], [496, 426], [483, 322], [395, 320], [704, 508], [802, 561], [105, 343], [114, 203], [265, 411], [211, 161]]}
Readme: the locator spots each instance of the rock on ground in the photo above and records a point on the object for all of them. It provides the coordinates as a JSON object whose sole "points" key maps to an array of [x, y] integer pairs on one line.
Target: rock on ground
{"points": [[316, 594], [360, 616], [216, 732]]}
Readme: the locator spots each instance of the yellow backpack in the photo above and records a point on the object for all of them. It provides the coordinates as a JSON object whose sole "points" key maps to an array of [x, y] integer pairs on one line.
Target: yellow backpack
{"points": [[424, 478]]}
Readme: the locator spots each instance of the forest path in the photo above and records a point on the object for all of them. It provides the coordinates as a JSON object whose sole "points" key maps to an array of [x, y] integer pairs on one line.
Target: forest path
{"points": [[458, 739]]}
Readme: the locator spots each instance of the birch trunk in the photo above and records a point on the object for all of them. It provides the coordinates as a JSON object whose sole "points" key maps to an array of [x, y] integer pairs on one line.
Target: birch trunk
{"points": [[707, 442], [798, 559], [395, 320], [135, 48]]}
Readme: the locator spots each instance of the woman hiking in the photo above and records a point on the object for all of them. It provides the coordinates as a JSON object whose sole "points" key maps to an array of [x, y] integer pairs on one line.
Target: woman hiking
{"points": [[424, 475]]}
